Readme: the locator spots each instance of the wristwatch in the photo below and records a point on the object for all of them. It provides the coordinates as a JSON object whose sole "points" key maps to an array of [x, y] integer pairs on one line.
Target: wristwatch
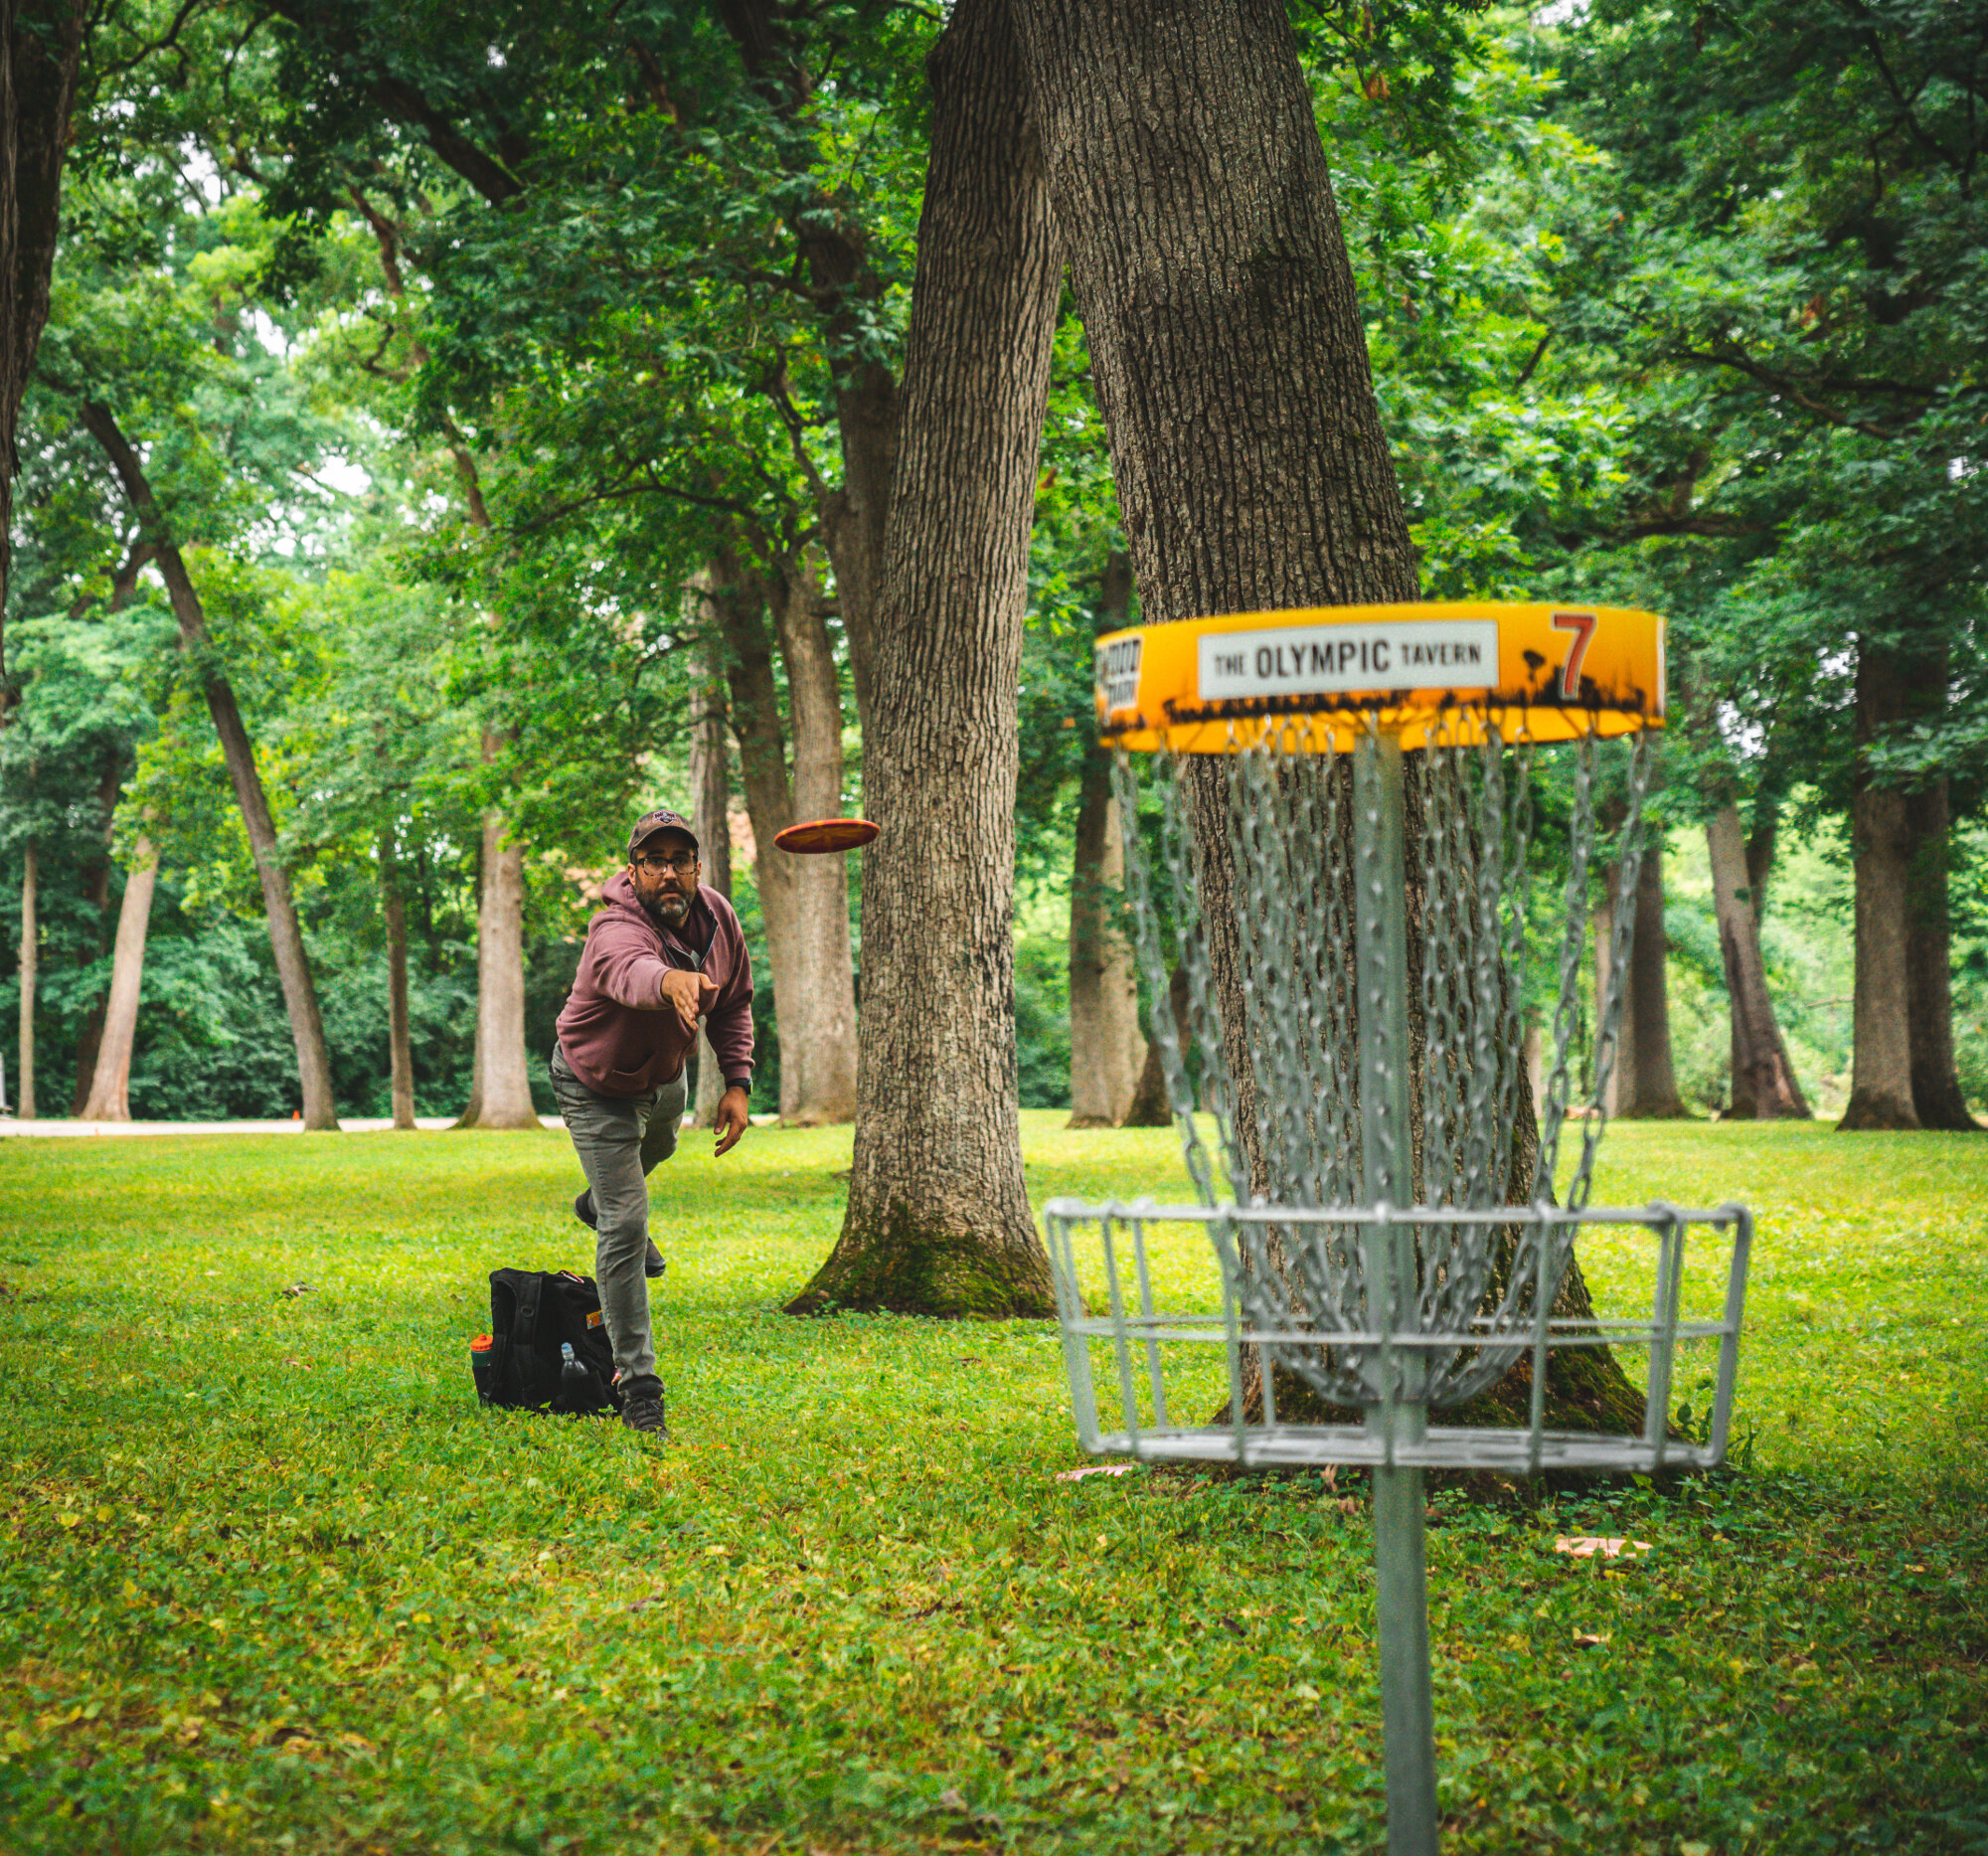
{"points": [[739, 1082]]}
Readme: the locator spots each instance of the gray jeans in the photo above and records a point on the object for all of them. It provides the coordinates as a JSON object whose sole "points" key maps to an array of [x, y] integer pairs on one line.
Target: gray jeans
{"points": [[620, 1140]]}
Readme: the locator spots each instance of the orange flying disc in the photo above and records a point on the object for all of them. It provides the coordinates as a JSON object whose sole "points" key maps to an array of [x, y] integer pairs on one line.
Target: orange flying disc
{"points": [[821, 835]]}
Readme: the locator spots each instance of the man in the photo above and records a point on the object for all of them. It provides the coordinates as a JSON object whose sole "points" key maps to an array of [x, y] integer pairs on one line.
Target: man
{"points": [[663, 954]]}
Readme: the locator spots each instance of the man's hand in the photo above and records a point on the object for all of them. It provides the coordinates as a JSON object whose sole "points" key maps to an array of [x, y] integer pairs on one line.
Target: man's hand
{"points": [[733, 1118], [690, 993]]}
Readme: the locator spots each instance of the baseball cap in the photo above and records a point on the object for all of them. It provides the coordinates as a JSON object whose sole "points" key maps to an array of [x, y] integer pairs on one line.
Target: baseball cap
{"points": [[650, 824]]}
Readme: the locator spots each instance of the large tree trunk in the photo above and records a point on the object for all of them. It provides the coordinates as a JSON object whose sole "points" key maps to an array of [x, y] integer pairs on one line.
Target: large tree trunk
{"points": [[1881, 1078], [40, 47], [1937, 1093], [31, 935], [710, 802], [400, 1043], [110, 1097], [805, 901], [501, 1091], [1763, 1081], [1226, 343], [938, 1218], [1231, 366], [286, 940], [1107, 1051]]}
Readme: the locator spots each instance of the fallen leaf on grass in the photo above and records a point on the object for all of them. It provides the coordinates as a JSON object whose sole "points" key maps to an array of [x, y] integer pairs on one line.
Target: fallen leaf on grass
{"points": [[1096, 1469], [1587, 1640], [1588, 1546], [295, 1288]]}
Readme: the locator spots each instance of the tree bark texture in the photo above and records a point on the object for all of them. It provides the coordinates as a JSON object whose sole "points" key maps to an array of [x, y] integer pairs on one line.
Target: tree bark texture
{"points": [[400, 1042], [1881, 1078], [286, 940], [1763, 1081], [1937, 1093], [710, 801], [31, 935], [41, 48], [1230, 367], [109, 1096], [938, 1219]]}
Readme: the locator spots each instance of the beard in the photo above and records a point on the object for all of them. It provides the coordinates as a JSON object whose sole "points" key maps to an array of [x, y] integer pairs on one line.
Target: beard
{"points": [[654, 907]]}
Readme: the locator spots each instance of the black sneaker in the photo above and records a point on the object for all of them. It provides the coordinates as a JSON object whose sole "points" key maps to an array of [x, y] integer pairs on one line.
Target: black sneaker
{"points": [[583, 1209], [647, 1415], [653, 1265]]}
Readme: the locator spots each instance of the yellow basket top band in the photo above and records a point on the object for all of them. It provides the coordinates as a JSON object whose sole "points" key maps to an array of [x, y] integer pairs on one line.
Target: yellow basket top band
{"points": [[1309, 681]]}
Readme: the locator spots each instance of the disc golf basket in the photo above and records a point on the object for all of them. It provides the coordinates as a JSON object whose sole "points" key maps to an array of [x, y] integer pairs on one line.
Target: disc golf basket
{"points": [[1344, 808]]}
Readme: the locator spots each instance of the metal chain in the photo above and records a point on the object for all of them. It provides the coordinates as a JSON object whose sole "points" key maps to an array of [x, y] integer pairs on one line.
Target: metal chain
{"points": [[1279, 810]]}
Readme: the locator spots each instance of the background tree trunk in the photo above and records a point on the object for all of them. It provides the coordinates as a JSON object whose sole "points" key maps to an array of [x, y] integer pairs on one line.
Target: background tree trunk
{"points": [[502, 1092], [1107, 1051], [938, 1218], [1763, 1081], [109, 1096], [805, 901], [286, 940], [41, 48], [1150, 1107], [96, 898], [1937, 1093], [1647, 1003], [710, 802], [817, 1020], [1881, 1080], [1619, 1098], [30, 956], [400, 1043], [124, 584]]}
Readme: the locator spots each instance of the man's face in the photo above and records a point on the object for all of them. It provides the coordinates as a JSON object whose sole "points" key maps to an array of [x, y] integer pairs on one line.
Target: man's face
{"points": [[664, 873]]}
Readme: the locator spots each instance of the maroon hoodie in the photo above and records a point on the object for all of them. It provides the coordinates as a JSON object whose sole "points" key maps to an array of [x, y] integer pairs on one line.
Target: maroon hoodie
{"points": [[619, 1035]]}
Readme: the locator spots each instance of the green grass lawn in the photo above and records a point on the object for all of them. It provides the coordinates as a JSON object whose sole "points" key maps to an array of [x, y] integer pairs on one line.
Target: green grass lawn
{"points": [[272, 1581]]}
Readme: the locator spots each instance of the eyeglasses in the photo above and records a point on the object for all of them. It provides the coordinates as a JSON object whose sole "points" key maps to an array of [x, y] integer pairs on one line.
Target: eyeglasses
{"points": [[679, 866]]}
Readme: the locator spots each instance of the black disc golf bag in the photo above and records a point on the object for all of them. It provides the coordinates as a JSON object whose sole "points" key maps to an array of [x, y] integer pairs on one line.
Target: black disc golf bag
{"points": [[519, 1363]]}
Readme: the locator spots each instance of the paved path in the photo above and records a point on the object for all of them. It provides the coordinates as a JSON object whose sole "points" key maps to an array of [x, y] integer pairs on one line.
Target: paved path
{"points": [[352, 1124]]}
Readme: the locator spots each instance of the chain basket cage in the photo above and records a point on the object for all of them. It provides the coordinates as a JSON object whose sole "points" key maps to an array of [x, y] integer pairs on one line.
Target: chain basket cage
{"points": [[1379, 1210]]}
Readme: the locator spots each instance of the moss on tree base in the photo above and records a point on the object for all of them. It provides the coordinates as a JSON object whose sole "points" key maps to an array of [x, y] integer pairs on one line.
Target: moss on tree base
{"points": [[915, 1270]]}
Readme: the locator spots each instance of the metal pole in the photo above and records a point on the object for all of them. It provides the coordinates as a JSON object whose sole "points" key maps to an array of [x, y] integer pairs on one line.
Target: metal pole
{"points": [[1380, 924]]}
